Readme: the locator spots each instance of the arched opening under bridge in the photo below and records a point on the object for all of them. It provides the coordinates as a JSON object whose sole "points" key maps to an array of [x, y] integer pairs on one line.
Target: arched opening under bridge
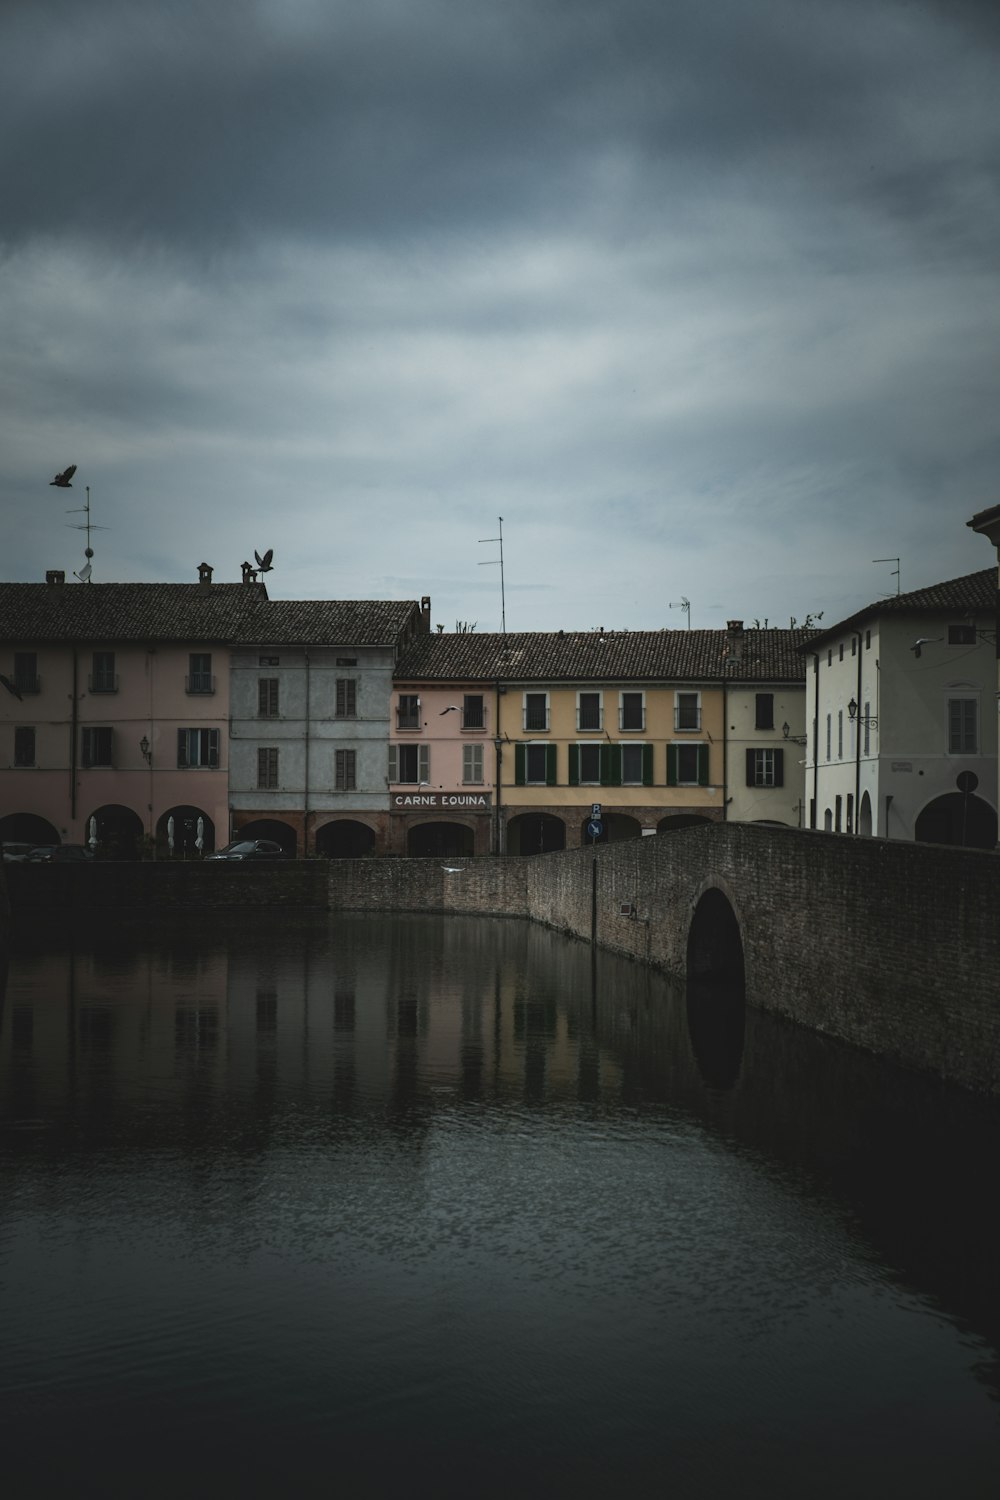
{"points": [[957, 818], [716, 990]]}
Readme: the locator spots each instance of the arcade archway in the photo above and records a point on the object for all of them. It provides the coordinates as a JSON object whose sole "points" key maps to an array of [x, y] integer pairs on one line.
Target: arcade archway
{"points": [[27, 828], [270, 828], [957, 818], [679, 820], [177, 833], [345, 839], [118, 831], [535, 833], [616, 827], [440, 841]]}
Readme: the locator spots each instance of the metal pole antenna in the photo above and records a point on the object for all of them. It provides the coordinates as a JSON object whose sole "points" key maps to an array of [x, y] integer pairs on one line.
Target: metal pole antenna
{"points": [[895, 571], [88, 527], [491, 564]]}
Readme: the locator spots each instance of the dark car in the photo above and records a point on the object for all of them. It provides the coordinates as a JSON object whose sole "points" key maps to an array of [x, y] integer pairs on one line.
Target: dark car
{"points": [[62, 854], [250, 849], [16, 853]]}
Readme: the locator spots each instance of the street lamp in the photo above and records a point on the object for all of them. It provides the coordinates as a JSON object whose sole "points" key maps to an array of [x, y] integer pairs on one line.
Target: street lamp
{"points": [[852, 714], [147, 750]]}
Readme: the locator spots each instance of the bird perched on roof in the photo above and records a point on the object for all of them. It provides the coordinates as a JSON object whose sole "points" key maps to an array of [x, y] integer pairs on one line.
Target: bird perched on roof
{"points": [[264, 563], [62, 481]]}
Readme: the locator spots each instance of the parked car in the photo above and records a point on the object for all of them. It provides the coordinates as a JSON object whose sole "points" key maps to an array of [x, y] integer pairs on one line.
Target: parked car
{"points": [[62, 854], [17, 853], [250, 849]]}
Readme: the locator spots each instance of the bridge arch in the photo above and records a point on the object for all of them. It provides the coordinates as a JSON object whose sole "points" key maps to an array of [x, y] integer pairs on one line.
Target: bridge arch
{"points": [[715, 937], [716, 987]]}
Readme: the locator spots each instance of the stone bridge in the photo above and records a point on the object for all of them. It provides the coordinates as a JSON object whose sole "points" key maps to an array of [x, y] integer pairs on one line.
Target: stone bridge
{"points": [[889, 946]]}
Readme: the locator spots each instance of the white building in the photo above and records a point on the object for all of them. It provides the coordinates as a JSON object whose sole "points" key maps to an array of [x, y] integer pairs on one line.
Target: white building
{"points": [[902, 736], [765, 725]]}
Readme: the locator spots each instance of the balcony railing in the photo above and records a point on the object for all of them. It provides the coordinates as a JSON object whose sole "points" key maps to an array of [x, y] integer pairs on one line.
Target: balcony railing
{"points": [[32, 684], [408, 718], [687, 718], [474, 716], [103, 682], [199, 682]]}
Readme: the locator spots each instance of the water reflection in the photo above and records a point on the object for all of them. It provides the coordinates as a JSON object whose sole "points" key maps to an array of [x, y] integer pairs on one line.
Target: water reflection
{"points": [[513, 1179]]}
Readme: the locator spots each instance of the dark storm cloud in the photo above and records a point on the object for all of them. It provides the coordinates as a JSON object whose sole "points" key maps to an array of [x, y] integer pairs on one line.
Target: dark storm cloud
{"points": [[207, 124]]}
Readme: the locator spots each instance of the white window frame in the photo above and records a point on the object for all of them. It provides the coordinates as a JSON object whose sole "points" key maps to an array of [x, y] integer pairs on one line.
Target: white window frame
{"points": [[205, 739], [693, 749], [541, 748], [637, 750], [590, 693], [639, 728], [535, 728], [591, 745], [962, 696], [423, 775], [764, 767], [680, 728]]}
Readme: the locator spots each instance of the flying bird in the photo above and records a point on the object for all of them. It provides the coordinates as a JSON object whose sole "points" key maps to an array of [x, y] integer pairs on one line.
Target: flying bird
{"points": [[453, 869], [451, 709], [925, 640], [62, 481], [264, 563], [11, 688]]}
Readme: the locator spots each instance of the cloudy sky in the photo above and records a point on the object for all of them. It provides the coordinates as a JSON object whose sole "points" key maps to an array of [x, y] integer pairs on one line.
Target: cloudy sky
{"points": [[700, 296]]}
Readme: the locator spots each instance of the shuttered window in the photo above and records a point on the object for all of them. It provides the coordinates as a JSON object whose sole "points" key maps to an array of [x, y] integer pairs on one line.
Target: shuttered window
{"points": [[267, 768], [267, 697], [347, 698], [345, 770]]}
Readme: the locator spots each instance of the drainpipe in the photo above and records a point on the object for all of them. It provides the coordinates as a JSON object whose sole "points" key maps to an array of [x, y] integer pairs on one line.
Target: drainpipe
{"points": [[73, 731], [725, 752], [305, 814], [814, 820], [857, 738]]}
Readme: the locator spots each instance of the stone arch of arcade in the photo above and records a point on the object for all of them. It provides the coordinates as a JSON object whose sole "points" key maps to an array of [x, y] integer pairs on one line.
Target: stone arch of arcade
{"points": [[270, 828], [535, 833], [438, 839], [177, 833], [27, 828], [345, 838]]}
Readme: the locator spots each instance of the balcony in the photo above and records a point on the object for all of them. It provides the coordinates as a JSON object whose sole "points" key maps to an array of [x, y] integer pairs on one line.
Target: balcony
{"points": [[199, 682], [103, 682], [28, 684], [687, 717], [474, 716], [408, 715]]}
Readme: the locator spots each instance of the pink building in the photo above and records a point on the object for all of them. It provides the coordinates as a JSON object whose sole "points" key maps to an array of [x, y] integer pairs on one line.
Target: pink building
{"points": [[114, 711]]}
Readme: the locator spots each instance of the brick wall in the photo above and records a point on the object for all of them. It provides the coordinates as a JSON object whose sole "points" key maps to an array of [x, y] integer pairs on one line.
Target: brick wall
{"points": [[164, 886]]}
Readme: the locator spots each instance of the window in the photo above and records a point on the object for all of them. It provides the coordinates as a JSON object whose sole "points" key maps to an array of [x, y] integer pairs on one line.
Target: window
{"points": [[850, 812], [764, 711], [347, 698], [535, 765], [868, 730], [102, 678], [588, 711], [632, 764], [268, 661], [854, 648], [197, 747], [838, 809], [765, 768], [472, 765], [536, 711], [687, 711], [687, 765], [961, 635], [345, 770], [829, 657], [963, 715], [347, 661], [26, 672], [267, 697], [868, 640], [632, 711], [589, 764], [842, 651], [473, 711], [409, 765], [840, 734], [408, 711], [267, 768], [200, 679], [96, 746], [24, 745], [829, 734]]}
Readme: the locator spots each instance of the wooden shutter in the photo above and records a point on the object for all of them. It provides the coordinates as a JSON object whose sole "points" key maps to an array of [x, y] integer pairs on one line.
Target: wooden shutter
{"points": [[779, 767], [611, 765], [182, 747], [751, 768], [647, 765], [703, 765], [574, 765], [393, 763], [519, 759], [551, 764], [671, 765], [213, 747], [423, 762]]}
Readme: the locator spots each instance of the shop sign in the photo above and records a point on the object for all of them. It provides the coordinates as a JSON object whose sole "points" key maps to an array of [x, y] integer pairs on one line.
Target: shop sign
{"points": [[438, 801]]}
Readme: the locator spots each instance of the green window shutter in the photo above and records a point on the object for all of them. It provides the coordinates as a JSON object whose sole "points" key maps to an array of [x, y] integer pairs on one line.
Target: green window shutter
{"points": [[703, 765], [611, 765], [671, 765], [393, 763], [423, 762], [647, 765], [751, 768], [574, 765], [551, 764], [779, 767], [519, 765]]}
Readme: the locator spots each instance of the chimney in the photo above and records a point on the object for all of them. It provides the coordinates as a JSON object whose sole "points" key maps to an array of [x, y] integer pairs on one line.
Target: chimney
{"points": [[425, 614], [204, 576], [55, 575], [734, 640]]}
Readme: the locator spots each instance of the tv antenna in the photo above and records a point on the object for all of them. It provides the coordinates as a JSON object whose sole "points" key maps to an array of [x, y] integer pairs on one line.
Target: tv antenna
{"points": [[684, 604], [492, 563], [894, 574], [88, 526]]}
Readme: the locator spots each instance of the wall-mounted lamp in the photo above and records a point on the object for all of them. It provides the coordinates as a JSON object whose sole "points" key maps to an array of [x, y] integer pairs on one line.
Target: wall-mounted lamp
{"points": [[852, 714], [796, 739], [147, 750]]}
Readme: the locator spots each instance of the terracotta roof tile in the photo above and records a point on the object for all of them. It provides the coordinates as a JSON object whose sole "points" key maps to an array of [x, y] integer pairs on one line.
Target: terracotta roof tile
{"points": [[973, 591], [125, 611], [616, 656], [341, 622]]}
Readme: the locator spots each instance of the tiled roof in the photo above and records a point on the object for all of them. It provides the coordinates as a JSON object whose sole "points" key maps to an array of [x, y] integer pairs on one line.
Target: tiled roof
{"points": [[972, 592], [339, 622], [31, 612], [617, 656]]}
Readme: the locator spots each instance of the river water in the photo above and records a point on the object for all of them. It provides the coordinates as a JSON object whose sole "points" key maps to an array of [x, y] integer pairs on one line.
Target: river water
{"points": [[443, 1207]]}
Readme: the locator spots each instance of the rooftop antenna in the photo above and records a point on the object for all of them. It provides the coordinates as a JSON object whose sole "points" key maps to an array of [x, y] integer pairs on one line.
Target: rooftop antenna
{"points": [[492, 564], [684, 604], [88, 526], [894, 574]]}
